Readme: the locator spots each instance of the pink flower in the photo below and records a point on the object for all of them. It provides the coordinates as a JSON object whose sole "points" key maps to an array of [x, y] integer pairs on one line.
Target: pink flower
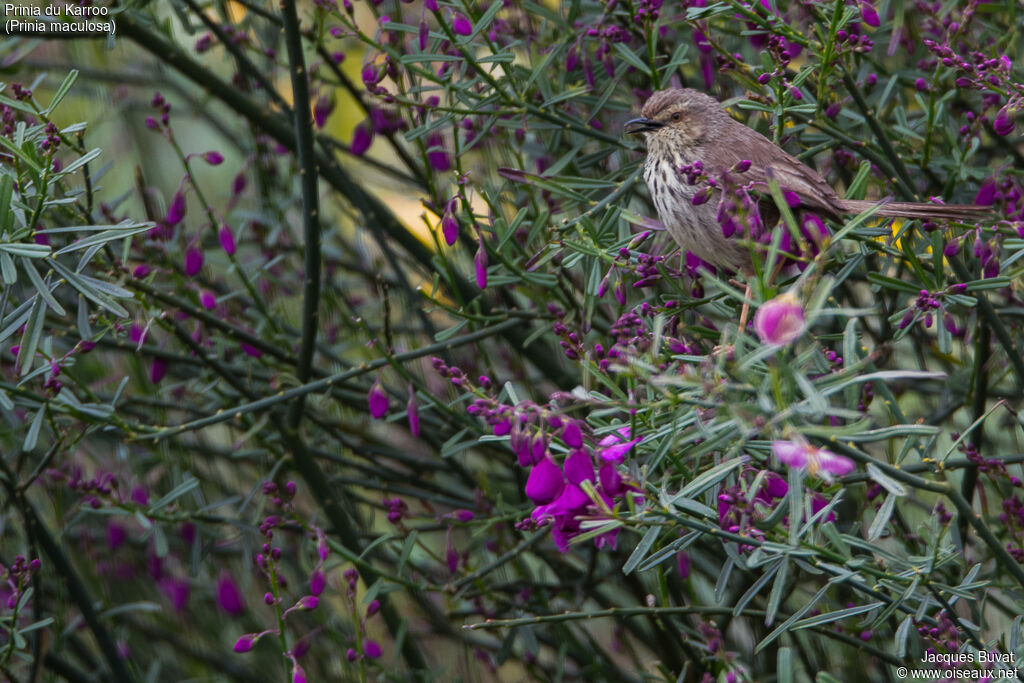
{"points": [[614, 447], [377, 400], [780, 321], [819, 462]]}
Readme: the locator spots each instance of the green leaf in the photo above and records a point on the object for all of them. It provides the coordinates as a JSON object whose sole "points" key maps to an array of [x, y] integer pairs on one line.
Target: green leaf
{"points": [[42, 288], [641, 550], [882, 518], [62, 90]]}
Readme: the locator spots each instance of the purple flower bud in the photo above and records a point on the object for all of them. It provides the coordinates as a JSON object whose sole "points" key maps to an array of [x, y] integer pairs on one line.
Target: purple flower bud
{"points": [[298, 674], [868, 14], [461, 25], [545, 482], [371, 648], [176, 211], [317, 582], [141, 271], [321, 110], [572, 435], [764, 79], [437, 155], [464, 515], [921, 85], [780, 321], [480, 265], [151, 123], [611, 480], [213, 158], [449, 224], [372, 608], [1005, 119], [741, 166], [362, 138], [351, 655], [792, 198], [229, 596], [430, 5], [157, 370], [424, 33], [245, 643], [193, 261], [952, 247], [377, 400], [207, 299], [227, 239], [701, 196]]}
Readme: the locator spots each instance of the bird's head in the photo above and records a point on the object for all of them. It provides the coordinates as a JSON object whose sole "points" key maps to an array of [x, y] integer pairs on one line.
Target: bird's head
{"points": [[678, 117]]}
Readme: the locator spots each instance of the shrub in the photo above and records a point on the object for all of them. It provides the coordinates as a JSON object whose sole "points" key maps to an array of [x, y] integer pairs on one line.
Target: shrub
{"points": [[414, 375]]}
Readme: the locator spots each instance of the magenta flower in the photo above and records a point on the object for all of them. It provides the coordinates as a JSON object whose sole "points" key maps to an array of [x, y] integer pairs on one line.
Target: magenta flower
{"points": [[572, 435], [819, 462], [362, 138], [431, 5], [780, 321], [229, 596], [545, 482], [193, 261], [176, 211], [377, 400], [461, 25], [207, 299], [213, 158], [227, 239], [614, 447], [578, 467]]}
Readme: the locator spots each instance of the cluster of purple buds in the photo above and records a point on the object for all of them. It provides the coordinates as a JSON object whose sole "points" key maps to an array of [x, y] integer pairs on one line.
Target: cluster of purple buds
{"points": [[17, 576], [397, 509], [163, 107], [51, 142], [647, 12], [944, 634], [928, 304]]}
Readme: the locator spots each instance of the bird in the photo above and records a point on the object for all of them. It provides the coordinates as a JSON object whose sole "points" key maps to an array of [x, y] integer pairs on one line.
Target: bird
{"points": [[683, 126]]}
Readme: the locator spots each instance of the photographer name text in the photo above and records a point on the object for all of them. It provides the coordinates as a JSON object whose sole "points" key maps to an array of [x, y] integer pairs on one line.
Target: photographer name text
{"points": [[48, 19]]}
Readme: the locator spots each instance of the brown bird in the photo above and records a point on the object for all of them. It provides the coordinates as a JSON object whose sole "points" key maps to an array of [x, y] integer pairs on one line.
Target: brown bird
{"points": [[684, 126]]}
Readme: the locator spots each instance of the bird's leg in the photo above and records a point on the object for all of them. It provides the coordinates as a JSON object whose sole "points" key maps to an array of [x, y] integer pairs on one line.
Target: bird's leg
{"points": [[744, 313]]}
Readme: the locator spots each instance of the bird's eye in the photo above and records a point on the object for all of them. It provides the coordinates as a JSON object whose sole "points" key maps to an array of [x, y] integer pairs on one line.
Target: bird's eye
{"points": [[675, 117]]}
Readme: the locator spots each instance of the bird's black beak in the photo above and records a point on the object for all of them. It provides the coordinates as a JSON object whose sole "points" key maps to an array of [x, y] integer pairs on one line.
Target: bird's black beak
{"points": [[641, 125]]}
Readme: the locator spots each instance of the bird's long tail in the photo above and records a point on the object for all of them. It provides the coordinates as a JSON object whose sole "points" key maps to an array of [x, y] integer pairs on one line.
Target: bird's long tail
{"points": [[964, 213]]}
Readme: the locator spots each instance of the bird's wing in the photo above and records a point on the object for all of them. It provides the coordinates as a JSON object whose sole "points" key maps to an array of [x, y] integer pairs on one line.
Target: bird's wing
{"points": [[768, 160]]}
